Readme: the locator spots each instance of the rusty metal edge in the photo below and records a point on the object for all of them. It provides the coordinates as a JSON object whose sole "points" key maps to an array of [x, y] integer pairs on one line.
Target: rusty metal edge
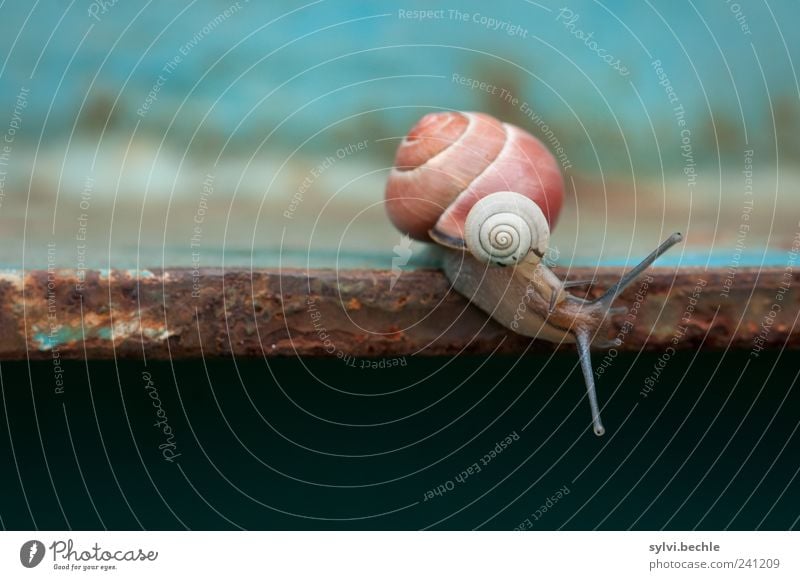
{"points": [[184, 313]]}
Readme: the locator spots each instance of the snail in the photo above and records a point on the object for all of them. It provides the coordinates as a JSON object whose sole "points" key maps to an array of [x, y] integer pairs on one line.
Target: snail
{"points": [[489, 193]]}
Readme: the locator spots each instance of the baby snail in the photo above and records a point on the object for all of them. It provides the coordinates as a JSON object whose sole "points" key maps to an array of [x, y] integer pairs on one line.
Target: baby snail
{"points": [[489, 193]]}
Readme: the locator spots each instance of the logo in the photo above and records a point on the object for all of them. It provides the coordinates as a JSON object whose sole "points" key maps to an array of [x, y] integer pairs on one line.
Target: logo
{"points": [[31, 553], [402, 254]]}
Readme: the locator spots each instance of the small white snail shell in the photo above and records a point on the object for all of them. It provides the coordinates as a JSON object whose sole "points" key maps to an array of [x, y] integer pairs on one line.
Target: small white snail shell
{"points": [[506, 228]]}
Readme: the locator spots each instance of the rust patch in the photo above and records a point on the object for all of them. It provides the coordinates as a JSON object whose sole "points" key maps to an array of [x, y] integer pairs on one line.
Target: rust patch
{"points": [[266, 313]]}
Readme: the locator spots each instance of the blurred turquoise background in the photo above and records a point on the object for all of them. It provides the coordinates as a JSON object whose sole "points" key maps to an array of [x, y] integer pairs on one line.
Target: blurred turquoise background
{"points": [[324, 61], [139, 102]]}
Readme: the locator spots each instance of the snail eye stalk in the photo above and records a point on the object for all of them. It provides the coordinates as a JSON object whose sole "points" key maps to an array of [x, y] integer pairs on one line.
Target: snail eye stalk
{"points": [[600, 309], [585, 355], [629, 277]]}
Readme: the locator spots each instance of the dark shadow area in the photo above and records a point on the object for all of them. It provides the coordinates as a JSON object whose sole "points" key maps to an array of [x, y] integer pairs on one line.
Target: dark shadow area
{"points": [[318, 444]]}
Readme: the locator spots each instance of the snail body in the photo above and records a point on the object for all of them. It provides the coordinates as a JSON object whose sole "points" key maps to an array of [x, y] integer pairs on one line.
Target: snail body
{"points": [[489, 194], [508, 296]]}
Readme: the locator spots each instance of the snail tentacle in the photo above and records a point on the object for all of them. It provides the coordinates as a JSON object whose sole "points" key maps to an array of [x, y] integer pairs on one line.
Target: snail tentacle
{"points": [[566, 285], [584, 354], [629, 277], [591, 317]]}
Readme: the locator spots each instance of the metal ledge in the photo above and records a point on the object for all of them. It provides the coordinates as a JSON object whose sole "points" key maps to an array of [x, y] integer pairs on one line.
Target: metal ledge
{"points": [[353, 313]]}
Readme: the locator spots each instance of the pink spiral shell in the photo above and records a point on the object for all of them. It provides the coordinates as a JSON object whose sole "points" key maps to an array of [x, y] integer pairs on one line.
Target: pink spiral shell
{"points": [[450, 160]]}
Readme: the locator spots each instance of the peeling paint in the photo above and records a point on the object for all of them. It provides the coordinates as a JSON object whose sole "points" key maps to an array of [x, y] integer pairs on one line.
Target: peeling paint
{"points": [[57, 337], [123, 312], [13, 277]]}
